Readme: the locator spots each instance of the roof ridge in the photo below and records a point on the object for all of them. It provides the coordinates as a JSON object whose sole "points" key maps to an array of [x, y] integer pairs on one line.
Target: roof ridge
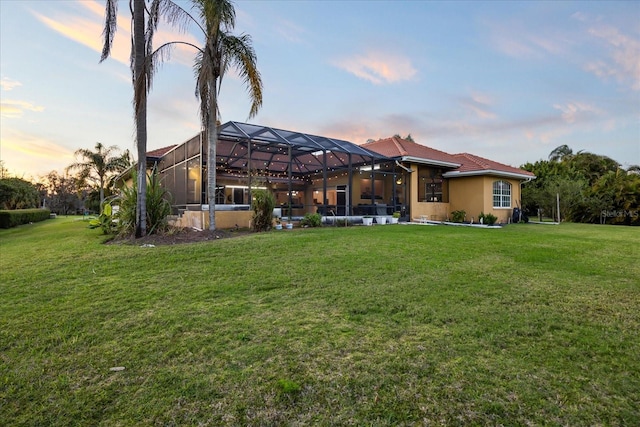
{"points": [[401, 148], [480, 161]]}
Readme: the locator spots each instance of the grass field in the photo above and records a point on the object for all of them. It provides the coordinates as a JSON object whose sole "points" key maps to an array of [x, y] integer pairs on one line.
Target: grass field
{"points": [[380, 326]]}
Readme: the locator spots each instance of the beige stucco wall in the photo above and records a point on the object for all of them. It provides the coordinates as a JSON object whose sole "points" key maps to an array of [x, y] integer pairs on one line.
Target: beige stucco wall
{"points": [[475, 194], [472, 194], [432, 211], [224, 219]]}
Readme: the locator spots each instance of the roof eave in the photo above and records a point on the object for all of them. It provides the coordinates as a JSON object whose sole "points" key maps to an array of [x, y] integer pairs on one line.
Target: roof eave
{"points": [[420, 160], [458, 174]]}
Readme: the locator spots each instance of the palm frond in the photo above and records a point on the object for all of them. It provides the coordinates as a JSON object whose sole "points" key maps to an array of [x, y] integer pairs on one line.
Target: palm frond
{"points": [[177, 16], [110, 26], [241, 55]]}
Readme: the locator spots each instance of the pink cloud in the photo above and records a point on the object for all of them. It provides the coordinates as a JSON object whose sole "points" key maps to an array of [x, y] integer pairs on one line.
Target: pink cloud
{"points": [[378, 67]]}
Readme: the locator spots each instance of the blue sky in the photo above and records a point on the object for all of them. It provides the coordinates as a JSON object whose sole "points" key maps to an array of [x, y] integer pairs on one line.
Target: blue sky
{"points": [[505, 80]]}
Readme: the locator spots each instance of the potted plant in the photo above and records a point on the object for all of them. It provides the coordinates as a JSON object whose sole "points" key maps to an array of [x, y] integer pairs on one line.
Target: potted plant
{"points": [[367, 220], [395, 217], [382, 220], [278, 224]]}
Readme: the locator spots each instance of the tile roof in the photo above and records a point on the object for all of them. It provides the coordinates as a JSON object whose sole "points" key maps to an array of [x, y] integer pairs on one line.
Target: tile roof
{"points": [[159, 152], [398, 147], [466, 163], [472, 163]]}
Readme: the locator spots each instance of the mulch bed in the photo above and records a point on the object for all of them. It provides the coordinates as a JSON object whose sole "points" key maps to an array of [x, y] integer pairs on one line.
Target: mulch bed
{"points": [[179, 236]]}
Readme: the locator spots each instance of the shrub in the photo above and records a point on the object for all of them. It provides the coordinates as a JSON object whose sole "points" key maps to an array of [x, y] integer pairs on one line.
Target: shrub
{"points": [[106, 221], [16, 193], [458, 216], [488, 219], [263, 204], [158, 206], [311, 220], [17, 217]]}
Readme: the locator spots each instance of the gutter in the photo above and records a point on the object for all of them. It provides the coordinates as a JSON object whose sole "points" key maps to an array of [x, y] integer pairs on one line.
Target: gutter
{"points": [[456, 174], [404, 167], [412, 159]]}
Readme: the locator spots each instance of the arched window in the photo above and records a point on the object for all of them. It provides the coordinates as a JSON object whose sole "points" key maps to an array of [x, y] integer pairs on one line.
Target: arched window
{"points": [[501, 194]]}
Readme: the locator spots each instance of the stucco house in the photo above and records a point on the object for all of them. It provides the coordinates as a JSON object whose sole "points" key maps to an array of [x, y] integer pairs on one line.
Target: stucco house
{"points": [[339, 179], [434, 183]]}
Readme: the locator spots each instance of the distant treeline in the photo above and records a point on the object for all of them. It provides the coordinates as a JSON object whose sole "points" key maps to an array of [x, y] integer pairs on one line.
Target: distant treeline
{"points": [[592, 188]]}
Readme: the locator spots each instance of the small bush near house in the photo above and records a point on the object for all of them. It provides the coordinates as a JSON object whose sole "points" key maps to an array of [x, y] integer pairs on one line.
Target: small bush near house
{"points": [[106, 221], [158, 206], [17, 217], [311, 220], [488, 219], [263, 204], [458, 216]]}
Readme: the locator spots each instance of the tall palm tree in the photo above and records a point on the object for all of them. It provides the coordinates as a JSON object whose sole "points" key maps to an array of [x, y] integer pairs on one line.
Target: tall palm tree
{"points": [[98, 165], [221, 51], [142, 69]]}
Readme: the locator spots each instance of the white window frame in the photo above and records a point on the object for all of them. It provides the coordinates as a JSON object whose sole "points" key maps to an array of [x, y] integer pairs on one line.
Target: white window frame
{"points": [[501, 194]]}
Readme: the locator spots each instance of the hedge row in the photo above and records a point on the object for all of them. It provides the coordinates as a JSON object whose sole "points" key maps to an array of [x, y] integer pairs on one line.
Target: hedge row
{"points": [[16, 217]]}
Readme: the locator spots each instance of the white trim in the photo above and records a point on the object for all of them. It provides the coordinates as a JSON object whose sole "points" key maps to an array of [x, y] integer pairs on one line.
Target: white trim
{"points": [[458, 174], [429, 162]]}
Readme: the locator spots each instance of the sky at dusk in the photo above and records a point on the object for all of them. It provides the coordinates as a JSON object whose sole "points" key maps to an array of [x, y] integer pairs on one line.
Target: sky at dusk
{"points": [[509, 81]]}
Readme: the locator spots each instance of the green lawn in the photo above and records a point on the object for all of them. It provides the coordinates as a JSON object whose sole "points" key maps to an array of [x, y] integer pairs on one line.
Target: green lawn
{"points": [[385, 325]]}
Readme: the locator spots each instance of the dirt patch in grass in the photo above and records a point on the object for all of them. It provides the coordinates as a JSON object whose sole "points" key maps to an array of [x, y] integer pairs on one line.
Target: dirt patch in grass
{"points": [[177, 236]]}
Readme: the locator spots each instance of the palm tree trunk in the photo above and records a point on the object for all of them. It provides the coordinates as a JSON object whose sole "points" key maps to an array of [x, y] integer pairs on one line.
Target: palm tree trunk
{"points": [[212, 140], [101, 193], [140, 108]]}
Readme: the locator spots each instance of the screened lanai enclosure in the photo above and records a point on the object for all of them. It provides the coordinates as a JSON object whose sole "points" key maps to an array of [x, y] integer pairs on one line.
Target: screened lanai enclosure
{"points": [[306, 173]]}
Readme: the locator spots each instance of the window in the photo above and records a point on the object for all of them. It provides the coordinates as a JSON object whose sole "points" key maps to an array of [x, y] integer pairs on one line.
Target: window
{"points": [[433, 191], [432, 187], [501, 194]]}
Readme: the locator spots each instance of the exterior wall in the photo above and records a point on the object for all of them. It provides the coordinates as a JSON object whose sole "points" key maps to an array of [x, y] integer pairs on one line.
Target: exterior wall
{"points": [[475, 194], [470, 194], [224, 219], [434, 211]]}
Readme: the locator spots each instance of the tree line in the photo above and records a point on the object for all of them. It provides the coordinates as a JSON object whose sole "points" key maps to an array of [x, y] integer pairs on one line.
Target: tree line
{"points": [[591, 188], [82, 187]]}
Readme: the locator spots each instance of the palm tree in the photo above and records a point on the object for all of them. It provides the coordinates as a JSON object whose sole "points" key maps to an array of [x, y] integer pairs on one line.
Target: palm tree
{"points": [[142, 69], [97, 165], [221, 51], [560, 153]]}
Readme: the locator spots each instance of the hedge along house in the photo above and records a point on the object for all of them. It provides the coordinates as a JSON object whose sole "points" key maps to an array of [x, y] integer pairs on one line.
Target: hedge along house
{"points": [[431, 184], [306, 173]]}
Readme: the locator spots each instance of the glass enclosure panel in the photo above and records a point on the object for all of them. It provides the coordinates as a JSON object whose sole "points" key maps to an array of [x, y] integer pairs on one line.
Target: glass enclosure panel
{"points": [[180, 153], [220, 195], [193, 147], [180, 197], [193, 180]]}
